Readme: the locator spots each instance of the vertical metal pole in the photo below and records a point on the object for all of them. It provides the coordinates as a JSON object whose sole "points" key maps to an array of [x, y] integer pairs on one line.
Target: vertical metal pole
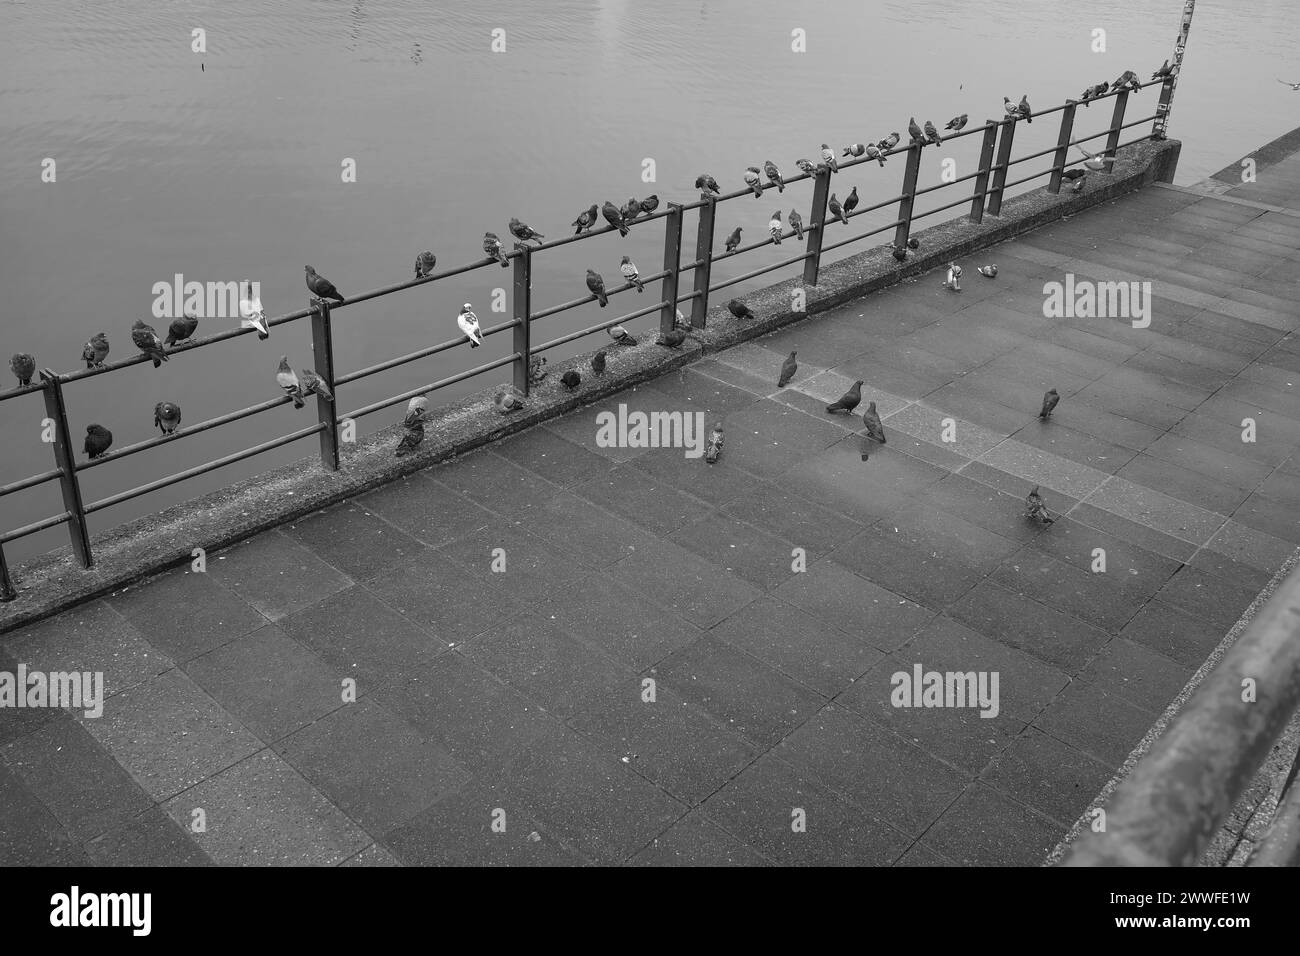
{"points": [[57, 411], [816, 226], [982, 180], [1000, 170], [704, 262], [672, 265], [1062, 147], [1167, 88], [1116, 121], [7, 592], [522, 333], [322, 348], [906, 201]]}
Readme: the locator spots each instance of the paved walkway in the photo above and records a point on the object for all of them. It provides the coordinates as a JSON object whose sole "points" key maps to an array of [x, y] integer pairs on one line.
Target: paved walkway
{"points": [[485, 695]]}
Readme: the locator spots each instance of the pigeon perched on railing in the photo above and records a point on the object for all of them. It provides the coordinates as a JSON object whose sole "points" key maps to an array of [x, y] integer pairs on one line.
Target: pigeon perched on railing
{"points": [[733, 240], [828, 157], [631, 209], [312, 384], [467, 322], [889, 142], [181, 328], [631, 273], [23, 365], [932, 134], [321, 287], [1024, 109], [649, 204], [836, 209], [753, 181], [524, 232], [287, 379], [424, 264], [147, 341], [774, 176], [704, 182], [614, 217], [596, 285], [915, 132], [492, 246], [850, 202], [251, 315], [585, 220], [874, 152], [98, 440], [95, 351], [774, 227], [796, 223], [1165, 70], [957, 123], [806, 167], [167, 417]]}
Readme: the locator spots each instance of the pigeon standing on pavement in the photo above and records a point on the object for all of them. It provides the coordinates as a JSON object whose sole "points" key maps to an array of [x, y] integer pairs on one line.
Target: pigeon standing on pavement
{"points": [[23, 365], [492, 246], [788, 369], [251, 315], [424, 264], [596, 285], [167, 417], [321, 287], [796, 223], [740, 310], [95, 351], [598, 362], [871, 419], [714, 447], [467, 321], [774, 176], [753, 181], [774, 226], [848, 401], [614, 217], [524, 232], [181, 328], [631, 273], [733, 240], [991, 271], [585, 220], [98, 440], [1049, 402], [952, 282], [1036, 508], [147, 341]]}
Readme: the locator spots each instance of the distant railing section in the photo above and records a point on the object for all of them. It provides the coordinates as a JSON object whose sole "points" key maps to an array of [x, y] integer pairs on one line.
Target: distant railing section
{"points": [[990, 185]]}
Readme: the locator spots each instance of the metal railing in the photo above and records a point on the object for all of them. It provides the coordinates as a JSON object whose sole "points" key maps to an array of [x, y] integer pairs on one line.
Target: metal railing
{"points": [[1177, 796], [990, 185]]}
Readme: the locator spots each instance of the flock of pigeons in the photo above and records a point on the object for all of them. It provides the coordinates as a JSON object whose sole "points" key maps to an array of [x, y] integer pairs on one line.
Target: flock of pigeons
{"points": [[167, 415]]}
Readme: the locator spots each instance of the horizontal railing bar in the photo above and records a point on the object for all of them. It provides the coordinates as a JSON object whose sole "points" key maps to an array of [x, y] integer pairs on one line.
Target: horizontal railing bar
{"points": [[930, 189], [965, 200], [182, 432], [31, 482], [864, 235], [180, 476], [34, 527], [422, 353], [758, 272], [426, 389], [20, 390], [565, 306], [608, 324]]}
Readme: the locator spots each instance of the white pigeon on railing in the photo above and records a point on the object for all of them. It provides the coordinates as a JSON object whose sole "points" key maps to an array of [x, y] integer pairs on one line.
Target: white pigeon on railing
{"points": [[251, 315], [468, 323]]}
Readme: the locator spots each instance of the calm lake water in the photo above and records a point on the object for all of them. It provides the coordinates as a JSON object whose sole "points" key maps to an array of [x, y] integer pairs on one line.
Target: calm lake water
{"points": [[232, 170]]}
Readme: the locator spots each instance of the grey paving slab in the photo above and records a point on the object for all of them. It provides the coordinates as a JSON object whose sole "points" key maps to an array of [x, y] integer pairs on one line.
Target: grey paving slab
{"points": [[150, 839], [799, 521], [553, 457], [656, 505], [1041, 467], [877, 616], [495, 482], [1136, 571], [428, 511], [797, 822], [664, 738], [909, 568], [874, 768], [1137, 674], [184, 613], [1264, 511], [531, 566], [373, 855], [1193, 487], [356, 541], [1080, 447], [276, 575], [755, 556], [1047, 775], [1178, 519], [928, 423], [865, 490], [30, 835], [260, 812], [75, 778], [1051, 635], [372, 765], [1249, 545], [1096, 721], [985, 828], [694, 840], [581, 426], [687, 585], [692, 390], [768, 438], [1076, 591]]}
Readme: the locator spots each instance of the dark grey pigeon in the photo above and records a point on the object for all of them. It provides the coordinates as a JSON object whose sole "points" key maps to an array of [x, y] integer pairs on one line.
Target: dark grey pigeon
{"points": [[788, 369], [1049, 403], [848, 401], [875, 430]]}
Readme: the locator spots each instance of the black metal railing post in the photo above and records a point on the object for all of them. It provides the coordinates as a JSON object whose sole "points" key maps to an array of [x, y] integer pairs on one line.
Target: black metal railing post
{"points": [[7, 592], [1062, 154], [817, 225], [322, 348], [982, 180], [1116, 121], [1163, 107], [908, 198], [672, 265], [521, 334], [1005, 140], [704, 262], [57, 411]]}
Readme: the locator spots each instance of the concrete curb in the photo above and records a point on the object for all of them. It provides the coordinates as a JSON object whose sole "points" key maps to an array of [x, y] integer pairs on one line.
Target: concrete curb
{"points": [[54, 582]]}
